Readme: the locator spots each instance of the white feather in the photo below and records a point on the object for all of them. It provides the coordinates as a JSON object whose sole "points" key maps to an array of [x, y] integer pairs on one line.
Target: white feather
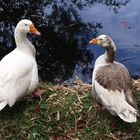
{"points": [[116, 103], [18, 72]]}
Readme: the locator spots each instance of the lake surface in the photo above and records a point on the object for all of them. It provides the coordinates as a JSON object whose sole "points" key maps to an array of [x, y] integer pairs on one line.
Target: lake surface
{"points": [[67, 26], [123, 27]]}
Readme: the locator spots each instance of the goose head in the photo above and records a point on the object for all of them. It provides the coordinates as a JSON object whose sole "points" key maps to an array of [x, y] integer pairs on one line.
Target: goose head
{"points": [[26, 26], [104, 41]]}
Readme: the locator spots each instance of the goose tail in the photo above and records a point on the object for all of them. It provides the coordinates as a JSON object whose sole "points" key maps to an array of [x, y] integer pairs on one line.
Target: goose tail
{"points": [[129, 114]]}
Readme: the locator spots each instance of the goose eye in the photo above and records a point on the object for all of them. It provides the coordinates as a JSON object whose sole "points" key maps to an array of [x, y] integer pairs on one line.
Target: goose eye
{"points": [[101, 39], [26, 25]]}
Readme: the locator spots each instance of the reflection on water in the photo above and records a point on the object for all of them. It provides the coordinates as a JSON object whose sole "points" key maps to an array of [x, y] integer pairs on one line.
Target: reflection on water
{"points": [[66, 27], [123, 27]]}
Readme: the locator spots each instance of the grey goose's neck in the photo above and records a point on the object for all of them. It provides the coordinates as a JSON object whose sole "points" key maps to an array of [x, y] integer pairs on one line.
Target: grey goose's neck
{"points": [[110, 55]]}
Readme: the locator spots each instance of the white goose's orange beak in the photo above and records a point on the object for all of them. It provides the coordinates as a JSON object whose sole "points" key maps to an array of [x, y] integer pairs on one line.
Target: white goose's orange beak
{"points": [[34, 30], [94, 41]]}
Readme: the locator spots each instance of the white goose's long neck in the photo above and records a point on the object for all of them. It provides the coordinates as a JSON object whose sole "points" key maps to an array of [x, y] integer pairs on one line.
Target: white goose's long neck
{"points": [[23, 44]]}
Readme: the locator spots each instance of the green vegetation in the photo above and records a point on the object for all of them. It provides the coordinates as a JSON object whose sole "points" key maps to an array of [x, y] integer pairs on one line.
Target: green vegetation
{"points": [[64, 113]]}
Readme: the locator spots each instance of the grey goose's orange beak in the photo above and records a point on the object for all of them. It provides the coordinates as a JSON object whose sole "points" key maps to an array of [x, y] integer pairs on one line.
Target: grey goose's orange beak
{"points": [[34, 30], [94, 41]]}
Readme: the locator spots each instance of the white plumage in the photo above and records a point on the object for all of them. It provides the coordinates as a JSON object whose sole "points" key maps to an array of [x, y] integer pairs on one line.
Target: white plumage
{"points": [[18, 69]]}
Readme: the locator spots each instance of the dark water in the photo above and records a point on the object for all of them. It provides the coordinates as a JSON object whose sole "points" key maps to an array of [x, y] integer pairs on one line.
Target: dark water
{"points": [[67, 26]]}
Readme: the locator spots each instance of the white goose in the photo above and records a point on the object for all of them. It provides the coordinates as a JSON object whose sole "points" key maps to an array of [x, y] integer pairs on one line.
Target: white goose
{"points": [[18, 69], [111, 82]]}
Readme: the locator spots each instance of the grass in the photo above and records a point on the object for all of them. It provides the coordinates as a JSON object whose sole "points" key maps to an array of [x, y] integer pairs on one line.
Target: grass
{"points": [[63, 114]]}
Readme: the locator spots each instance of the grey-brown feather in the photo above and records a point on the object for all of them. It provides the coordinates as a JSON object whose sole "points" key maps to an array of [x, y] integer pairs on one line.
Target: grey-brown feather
{"points": [[116, 77]]}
